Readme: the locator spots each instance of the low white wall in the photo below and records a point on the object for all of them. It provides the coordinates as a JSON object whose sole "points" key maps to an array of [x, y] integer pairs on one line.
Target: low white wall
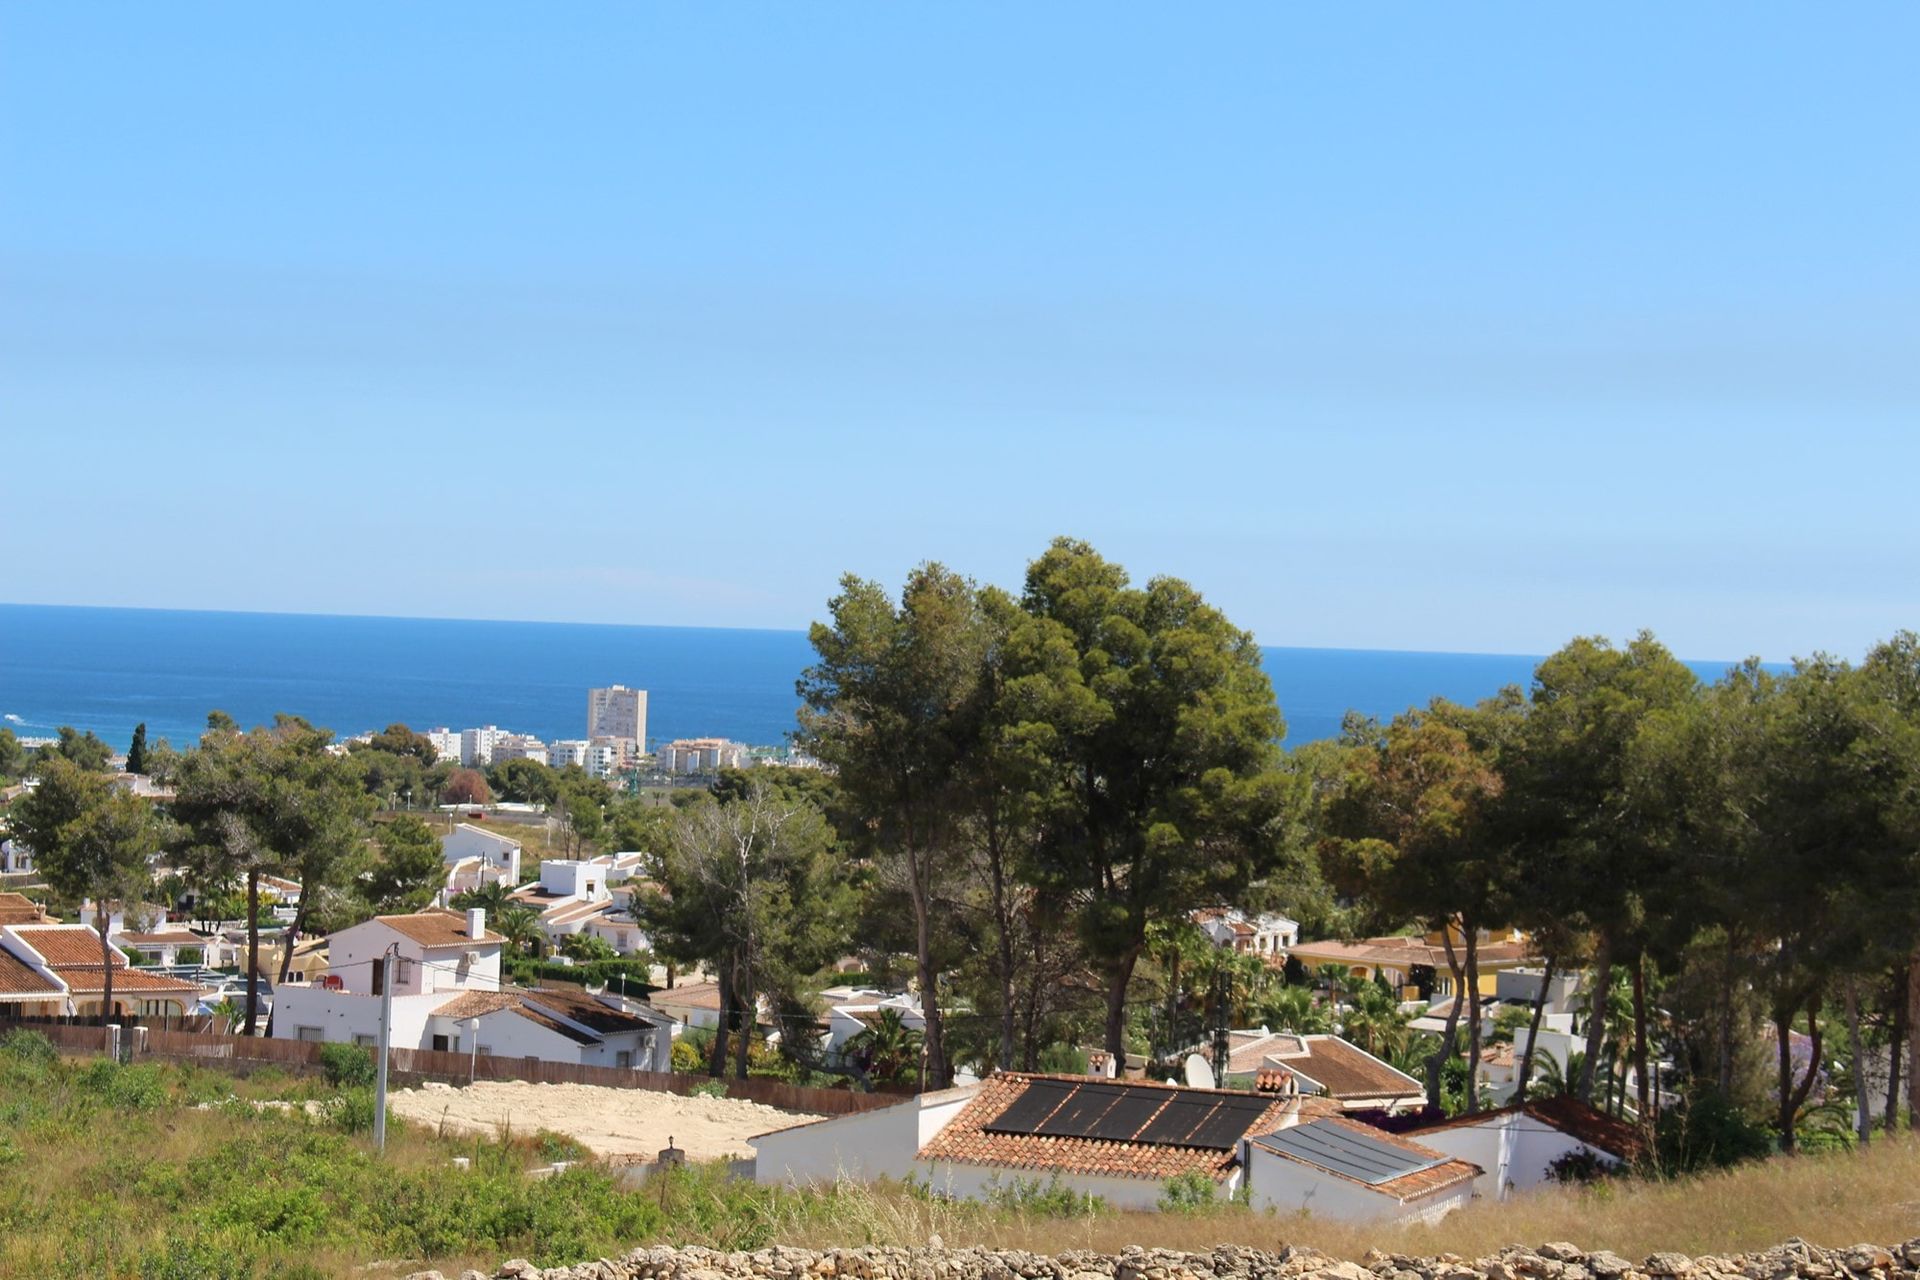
{"points": [[341, 1015], [976, 1182]]}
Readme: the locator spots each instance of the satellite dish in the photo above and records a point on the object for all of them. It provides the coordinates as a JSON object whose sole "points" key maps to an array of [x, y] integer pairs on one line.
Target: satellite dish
{"points": [[1199, 1074]]}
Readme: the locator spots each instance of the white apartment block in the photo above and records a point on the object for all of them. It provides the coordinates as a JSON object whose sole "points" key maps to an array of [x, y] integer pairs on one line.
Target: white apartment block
{"points": [[700, 755], [618, 712], [446, 743], [568, 751], [476, 746], [607, 756], [519, 746]]}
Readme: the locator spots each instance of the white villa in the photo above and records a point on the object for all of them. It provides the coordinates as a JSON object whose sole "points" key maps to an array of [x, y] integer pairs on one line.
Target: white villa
{"points": [[476, 856], [444, 972], [1266, 933], [54, 970]]}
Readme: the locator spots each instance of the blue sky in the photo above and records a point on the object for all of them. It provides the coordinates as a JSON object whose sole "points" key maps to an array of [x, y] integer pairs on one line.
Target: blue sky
{"points": [[1412, 327]]}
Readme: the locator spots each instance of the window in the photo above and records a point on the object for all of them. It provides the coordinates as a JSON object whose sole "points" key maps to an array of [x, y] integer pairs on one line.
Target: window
{"points": [[439, 1044], [312, 1035], [367, 1042], [624, 1058]]}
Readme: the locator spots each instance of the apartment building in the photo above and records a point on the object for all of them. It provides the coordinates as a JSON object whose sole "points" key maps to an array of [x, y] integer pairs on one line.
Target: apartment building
{"points": [[618, 712]]}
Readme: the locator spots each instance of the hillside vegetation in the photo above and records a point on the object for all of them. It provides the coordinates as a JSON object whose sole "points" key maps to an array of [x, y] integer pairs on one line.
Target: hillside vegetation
{"points": [[164, 1172]]}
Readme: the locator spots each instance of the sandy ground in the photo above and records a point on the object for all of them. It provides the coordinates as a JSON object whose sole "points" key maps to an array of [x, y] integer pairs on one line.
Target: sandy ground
{"points": [[608, 1122]]}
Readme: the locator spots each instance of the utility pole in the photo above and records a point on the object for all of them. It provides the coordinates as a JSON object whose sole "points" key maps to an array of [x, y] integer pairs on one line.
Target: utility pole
{"points": [[386, 1041]]}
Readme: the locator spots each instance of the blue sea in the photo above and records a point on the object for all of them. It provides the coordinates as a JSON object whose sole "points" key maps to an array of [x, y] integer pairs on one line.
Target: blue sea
{"points": [[110, 669]]}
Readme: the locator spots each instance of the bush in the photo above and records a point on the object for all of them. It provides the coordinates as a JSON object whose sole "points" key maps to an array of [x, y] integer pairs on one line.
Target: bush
{"points": [[1708, 1131], [347, 1066], [1063, 1059], [709, 1089], [354, 1111], [24, 1046], [1190, 1192], [688, 1057], [1048, 1200]]}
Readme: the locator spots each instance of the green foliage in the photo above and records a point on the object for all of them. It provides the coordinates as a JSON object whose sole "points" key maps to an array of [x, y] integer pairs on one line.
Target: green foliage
{"points": [[409, 869], [347, 1066], [1064, 1058], [1051, 1199], [137, 751], [689, 1056], [1708, 1132], [28, 1048], [85, 751], [709, 1089], [1190, 1192], [13, 756]]}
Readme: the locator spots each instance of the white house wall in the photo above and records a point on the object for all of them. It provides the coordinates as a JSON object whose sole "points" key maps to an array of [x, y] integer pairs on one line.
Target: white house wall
{"points": [[862, 1146], [1287, 1186], [341, 1015], [977, 1182], [1514, 1148]]}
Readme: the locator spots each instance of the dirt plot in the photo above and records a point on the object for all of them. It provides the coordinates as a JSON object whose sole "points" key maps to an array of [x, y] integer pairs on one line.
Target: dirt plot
{"points": [[608, 1122]]}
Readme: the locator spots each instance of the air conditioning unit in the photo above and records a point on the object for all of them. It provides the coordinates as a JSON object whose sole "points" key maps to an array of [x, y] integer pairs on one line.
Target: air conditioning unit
{"points": [[473, 957]]}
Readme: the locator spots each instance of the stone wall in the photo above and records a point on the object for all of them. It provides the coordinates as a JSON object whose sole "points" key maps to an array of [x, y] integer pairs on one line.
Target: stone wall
{"points": [[1795, 1260]]}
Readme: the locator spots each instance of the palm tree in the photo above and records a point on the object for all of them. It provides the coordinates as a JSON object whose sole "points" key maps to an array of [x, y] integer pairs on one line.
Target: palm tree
{"points": [[495, 897], [1375, 1022], [520, 926], [1294, 1009], [888, 1050], [1550, 1081]]}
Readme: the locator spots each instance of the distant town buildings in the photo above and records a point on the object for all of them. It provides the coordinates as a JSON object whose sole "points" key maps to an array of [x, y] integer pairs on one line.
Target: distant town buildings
{"points": [[568, 751], [618, 712], [446, 743], [699, 755], [519, 746], [476, 746]]}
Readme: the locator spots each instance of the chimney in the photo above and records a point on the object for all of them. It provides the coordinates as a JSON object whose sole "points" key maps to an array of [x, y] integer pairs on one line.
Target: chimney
{"points": [[476, 923]]}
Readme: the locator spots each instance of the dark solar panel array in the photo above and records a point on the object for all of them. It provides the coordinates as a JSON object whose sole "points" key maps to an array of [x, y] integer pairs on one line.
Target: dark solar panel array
{"points": [[1339, 1149], [1128, 1113], [1032, 1106]]}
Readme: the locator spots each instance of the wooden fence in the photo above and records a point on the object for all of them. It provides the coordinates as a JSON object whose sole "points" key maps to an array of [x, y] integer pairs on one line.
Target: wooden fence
{"points": [[85, 1036]]}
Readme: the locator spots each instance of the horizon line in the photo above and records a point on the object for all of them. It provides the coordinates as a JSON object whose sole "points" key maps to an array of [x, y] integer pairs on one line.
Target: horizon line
{"points": [[783, 631]]}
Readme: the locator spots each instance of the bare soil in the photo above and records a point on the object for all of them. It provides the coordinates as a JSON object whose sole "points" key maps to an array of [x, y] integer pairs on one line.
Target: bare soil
{"points": [[608, 1122]]}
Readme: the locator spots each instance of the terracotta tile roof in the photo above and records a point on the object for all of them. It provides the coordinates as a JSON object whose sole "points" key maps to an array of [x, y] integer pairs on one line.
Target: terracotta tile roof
{"points": [[1568, 1115], [1595, 1128], [573, 912], [1347, 1071], [965, 1139], [89, 979], [541, 1007], [182, 935], [1408, 1186], [688, 995], [62, 944], [437, 928], [17, 908], [20, 980]]}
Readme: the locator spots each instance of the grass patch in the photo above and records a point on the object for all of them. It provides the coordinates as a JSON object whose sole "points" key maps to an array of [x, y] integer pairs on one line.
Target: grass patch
{"points": [[155, 1171]]}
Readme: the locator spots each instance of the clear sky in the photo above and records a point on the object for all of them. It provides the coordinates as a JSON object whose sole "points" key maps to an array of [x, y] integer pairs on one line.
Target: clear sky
{"points": [[1415, 326]]}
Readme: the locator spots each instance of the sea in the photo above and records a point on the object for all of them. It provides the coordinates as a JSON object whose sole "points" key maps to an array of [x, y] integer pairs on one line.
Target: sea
{"points": [[109, 669]]}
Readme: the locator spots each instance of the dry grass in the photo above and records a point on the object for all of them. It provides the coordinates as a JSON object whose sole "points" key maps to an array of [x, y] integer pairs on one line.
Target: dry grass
{"points": [[1833, 1200]]}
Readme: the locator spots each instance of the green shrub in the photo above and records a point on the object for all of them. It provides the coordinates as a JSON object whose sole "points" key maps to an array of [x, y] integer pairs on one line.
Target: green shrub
{"points": [[354, 1111], [24, 1046], [709, 1089], [347, 1066], [1189, 1192], [1051, 1199]]}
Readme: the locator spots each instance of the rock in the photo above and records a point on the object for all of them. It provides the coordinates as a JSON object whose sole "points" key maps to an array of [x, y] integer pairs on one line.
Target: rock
{"points": [[1608, 1265], [471, 1274], [1560, 1251], [426, 1275], [1868, 1257], [1667, 1264], [516, 1267]]}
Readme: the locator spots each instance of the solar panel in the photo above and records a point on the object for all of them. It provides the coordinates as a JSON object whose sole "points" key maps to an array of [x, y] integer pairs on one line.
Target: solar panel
{"points": [[1125, 1118], [1338, 1149], [1033, 1105], [1174, 1126], [1228, 1122], [1078, 1116]]}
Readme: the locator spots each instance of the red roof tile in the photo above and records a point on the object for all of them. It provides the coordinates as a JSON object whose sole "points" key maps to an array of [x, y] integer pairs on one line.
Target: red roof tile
{"points": [[965, 1139], [17, 978], [67, 944], [437, 928]]}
